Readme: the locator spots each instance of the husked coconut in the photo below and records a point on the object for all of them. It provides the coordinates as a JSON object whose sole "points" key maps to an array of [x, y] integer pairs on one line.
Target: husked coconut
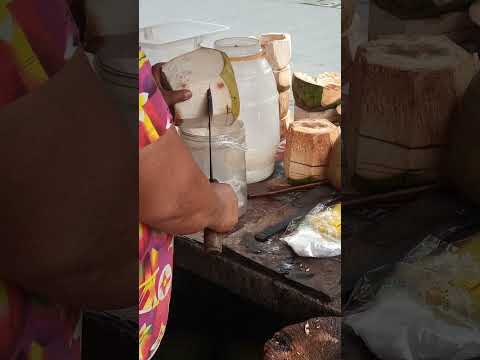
{"points": [[334, 171], [464, 149], [474, 12], [283, 78], [317, 93], [285, 123], [278, 49], [401, 140], [198, 71], [283, 103], [307, 150]]}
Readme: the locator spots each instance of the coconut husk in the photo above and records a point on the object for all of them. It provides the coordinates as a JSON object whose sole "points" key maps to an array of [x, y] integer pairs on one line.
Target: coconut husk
{"points": [[278, 49], [317, 93], [283, 103], [456, 25], [283, 78], [307, 150], [401, 135]]}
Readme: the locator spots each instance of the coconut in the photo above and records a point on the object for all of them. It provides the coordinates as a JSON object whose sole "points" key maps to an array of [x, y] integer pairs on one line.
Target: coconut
{"points": [[464, 150], [415, 9], [198, 71], [285, 123], [307, 150], [283, 78], [401, 140], [331, 114], [334, 170], [474, 12], [283, 103], [455, 25], [317, 93], [278, 49]]}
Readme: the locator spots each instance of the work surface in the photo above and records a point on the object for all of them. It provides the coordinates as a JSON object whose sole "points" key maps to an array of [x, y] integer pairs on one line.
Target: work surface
{"points": [[269, 273]]}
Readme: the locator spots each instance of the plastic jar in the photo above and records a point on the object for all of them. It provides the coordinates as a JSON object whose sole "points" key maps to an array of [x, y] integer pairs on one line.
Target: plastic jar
{"points": [[228, 156], [258, 104]]}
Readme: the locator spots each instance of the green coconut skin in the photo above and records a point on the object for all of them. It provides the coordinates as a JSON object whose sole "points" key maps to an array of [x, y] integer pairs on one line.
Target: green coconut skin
{"points": [[418, 9], [464, 150], [228, 77], [308, 96]]}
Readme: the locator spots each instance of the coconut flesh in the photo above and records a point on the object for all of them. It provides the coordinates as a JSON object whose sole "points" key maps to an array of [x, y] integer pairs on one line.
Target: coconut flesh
{"points": [[199, 71]]}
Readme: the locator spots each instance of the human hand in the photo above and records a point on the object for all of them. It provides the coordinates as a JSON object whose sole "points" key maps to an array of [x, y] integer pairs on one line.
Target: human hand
{"points": [[226, 216], [171, 97]]}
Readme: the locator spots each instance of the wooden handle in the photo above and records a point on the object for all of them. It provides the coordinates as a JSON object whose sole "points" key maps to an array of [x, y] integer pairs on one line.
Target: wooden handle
{"points": [[212, 242]]}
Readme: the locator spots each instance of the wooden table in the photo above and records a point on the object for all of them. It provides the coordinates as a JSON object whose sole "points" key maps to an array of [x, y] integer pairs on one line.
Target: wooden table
{"points": [[269, 273]]}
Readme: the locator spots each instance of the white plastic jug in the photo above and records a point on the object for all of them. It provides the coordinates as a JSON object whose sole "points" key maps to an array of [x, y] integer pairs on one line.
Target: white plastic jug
{"points": [[258, 104]]}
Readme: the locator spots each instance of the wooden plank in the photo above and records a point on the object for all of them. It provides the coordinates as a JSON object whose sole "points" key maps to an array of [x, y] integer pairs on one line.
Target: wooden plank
{"points": [[316, 279]]}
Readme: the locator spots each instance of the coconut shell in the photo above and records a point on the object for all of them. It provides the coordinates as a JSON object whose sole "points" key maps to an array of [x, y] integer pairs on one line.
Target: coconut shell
{"points": [[418, 9], [317, 93], [464, 150], [198, 71], [307, 150]]}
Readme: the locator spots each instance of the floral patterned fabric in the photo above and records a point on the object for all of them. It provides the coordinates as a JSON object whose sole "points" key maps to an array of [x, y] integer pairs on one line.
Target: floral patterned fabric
{"points": [[155, 248], [37, 37]]}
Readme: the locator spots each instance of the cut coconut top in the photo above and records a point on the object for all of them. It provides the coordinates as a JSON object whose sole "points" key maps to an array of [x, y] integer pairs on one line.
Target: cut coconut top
{"points": [[198, 71], [313, 126], [324, 79], [266, 38], [411, 52]]}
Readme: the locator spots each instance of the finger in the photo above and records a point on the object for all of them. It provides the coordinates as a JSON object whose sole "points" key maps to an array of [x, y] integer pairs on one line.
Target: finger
{"points": [[157, 73], [175, 97]]}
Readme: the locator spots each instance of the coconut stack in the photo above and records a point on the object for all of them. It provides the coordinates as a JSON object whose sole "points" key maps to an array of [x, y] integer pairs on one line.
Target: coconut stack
{"points": [[464, 150], [307, 151], [278, 52], [404, 92], [351, 29], [457, 24]]}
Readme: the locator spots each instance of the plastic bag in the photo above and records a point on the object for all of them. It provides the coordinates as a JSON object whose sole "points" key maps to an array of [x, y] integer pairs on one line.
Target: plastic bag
{"points": [[426, 306], [318, 234]]}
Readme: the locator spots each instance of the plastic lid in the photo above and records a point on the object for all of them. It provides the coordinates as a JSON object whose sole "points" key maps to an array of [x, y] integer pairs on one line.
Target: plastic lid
{"points": [[172, 32]]}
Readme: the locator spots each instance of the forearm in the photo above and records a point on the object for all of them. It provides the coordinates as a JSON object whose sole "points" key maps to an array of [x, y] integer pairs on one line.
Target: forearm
{"points": [[175, 196], [68, 186]]}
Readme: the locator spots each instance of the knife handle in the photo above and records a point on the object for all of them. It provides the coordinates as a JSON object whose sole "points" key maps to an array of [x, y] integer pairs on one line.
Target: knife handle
{"points": [[212, 242]]}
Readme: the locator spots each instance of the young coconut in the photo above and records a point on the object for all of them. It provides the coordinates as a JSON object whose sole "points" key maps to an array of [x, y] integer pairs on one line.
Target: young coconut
{"points": [[317, 93], [283, 78], [198, 71], [278, 49], [464, 150], [307, 150]]}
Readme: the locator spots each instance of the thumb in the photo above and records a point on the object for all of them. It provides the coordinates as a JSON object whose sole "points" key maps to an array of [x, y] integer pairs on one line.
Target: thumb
{"points": [[174, 97]]}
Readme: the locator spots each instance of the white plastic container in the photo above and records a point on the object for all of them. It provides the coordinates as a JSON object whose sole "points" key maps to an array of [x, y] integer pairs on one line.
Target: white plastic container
{"points": [[163, 42], [258, 104]]}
